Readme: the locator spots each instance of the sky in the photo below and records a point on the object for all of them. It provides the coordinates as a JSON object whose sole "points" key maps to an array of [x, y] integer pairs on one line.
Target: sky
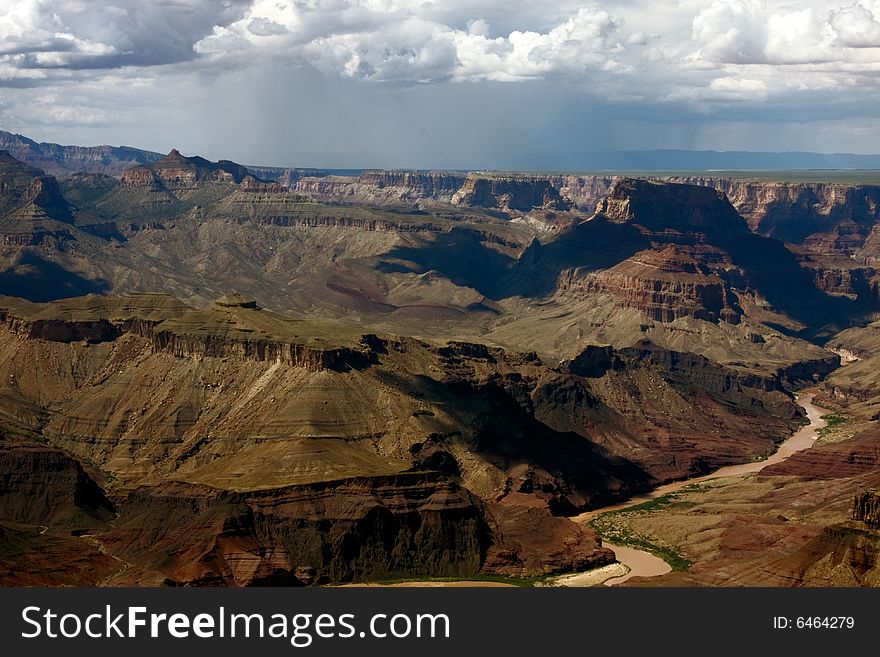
{"points": [[442, 84]]}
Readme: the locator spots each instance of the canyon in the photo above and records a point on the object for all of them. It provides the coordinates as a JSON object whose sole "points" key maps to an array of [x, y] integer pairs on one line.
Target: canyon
{"points": [[214, 374]]}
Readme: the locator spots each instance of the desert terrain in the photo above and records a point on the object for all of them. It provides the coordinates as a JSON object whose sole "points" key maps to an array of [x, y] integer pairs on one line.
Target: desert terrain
{"points": [[216, 374]]}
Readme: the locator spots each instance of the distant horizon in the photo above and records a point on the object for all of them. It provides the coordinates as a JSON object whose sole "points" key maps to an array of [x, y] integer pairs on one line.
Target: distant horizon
{"points": [[617, 162], [514, 85]]}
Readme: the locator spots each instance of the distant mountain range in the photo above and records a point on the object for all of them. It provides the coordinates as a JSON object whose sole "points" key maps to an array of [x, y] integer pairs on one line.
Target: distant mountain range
{"points": [[682, 160], [59, 160]]}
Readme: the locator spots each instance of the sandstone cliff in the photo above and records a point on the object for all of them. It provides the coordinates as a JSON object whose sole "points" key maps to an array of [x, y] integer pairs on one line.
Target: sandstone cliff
{"points": [[866, 507], [382, 187], [245, 447], [16, 179], [521, 193], [40, 485], [175, 172], [842, 554], [665, 285]]}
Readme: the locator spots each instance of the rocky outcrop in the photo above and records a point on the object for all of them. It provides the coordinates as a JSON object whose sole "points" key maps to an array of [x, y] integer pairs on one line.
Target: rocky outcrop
{"points": [[702, 372], [41, 485], [843, 554], [175, 172], [584, 191], [252, 185], [521, 193], [858, 456], [410, 525], [288, 176], [236, 300], [666, 207], [326, 187], [382, 187], [665, 285], [860, 284], [866, 507], [44, 192], [675, 250], [686, 272], [337, 359], [200, 343], [650, 382], [415, 185], [527, 542], [55, 330], [90, 319], [346, 221], [793, 210], [17, 182]]}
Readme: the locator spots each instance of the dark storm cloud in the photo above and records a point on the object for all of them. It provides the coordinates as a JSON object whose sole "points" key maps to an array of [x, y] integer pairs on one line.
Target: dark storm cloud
{"points": [[86, 34]]}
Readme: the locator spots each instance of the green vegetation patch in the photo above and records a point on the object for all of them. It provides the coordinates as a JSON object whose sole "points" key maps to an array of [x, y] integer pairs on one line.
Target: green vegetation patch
{"points": [[835, 421], [612, 527]]}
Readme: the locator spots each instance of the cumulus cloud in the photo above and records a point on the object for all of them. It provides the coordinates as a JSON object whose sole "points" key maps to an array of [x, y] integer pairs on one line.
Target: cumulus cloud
{"points": [[78, 34], [405, 41], [732, 31], [757, 32], [433, 41], [692, 55], [856, 26]]}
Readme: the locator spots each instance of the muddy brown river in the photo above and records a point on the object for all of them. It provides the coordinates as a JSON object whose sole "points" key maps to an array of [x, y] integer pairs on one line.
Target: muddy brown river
{"points": [[645, 564]]}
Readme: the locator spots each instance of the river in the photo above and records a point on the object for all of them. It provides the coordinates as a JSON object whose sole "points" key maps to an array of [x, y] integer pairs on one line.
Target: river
{"points": [[645, 564]]}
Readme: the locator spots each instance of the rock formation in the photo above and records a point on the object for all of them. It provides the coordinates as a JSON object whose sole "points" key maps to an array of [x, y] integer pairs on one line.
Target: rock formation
{"points": [[866, 507], [381, 188], [175, 172], [16, 179], [520, 193], [248, 429], [423, 373]]}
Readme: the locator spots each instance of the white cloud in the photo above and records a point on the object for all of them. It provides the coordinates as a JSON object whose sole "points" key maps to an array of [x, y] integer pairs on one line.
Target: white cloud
{"points": [[758, 32], [608, 44], [738, 85], [387, 40], [700, 55], [731, 31], [856, 26], [28, 22], [639, 39]]}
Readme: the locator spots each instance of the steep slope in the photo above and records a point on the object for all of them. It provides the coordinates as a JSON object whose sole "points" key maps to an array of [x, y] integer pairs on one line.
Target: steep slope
{"points": [[16, 178], [32, 206], [257, 421], [509, 192], [148, 194], [381, 188], [175, 172], [672, 263], [673, 276]]}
